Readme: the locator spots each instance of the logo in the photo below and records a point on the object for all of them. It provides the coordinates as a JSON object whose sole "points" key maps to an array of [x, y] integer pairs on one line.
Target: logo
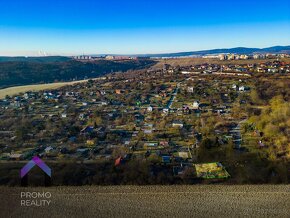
{"points": [[35, 199], [35, 161]]}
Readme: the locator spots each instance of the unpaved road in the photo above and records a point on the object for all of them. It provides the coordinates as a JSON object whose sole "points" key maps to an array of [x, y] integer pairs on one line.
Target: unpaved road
{"points": [[152, 201]]}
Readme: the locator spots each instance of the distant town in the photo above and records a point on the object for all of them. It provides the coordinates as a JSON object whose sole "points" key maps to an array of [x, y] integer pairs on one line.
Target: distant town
{"points": [[214, 56]]}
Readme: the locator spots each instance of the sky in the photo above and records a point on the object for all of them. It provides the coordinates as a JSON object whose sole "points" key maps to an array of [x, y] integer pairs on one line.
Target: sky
{"points": [[74, 27]]}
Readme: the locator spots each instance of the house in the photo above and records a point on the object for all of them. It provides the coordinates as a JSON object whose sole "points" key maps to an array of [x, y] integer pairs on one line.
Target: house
{"points": [[48, 149], [165, 110], [82, 116], [178, 170], [148, 125], [185, 109], [164, 143], [147, 131], [166, 67], [244, 88], [118, 161], [195, 105], [72, 139], [16, 104], [127, 142], [90, 142], [15, 156], [260, 70], [148, 145], [82, 151], [149, 109], [118, 91], [183, 155], [261, 144], [272, 70], [166, 159], [177, 123], [121, 160], [190, 89], [87, 129]]}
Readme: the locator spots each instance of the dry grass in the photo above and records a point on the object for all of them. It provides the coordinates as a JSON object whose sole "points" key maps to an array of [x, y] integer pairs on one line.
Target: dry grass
{"points": [[153, 201]]}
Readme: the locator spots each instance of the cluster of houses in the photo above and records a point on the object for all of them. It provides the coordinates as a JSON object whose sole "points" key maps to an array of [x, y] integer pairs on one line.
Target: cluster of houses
{"points": [[79, 105], [232, 56], [107, 57], [267, 67], [124, 116]]}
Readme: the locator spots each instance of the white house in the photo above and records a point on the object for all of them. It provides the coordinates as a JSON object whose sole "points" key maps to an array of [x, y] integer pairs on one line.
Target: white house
{"points": [[195, 105], [48, 149], [242, 88], [177, 124], [149, 109], [190, 89], [15, 156], [165, 110]]}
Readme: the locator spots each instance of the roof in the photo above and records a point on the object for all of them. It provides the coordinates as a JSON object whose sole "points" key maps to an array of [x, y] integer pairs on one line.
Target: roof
{"points": [[14, 155]]}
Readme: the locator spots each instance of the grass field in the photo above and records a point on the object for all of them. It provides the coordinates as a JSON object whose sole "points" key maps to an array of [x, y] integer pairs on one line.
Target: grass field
{"points": [[19, 89], [153, 201]]}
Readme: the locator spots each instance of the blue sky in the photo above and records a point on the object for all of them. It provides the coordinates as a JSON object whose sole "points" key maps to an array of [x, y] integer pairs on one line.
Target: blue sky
{"points": [[69, 27]]}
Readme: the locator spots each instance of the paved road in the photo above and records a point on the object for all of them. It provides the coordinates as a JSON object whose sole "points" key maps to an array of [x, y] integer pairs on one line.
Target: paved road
{"points": [[173, 96], [153, 201]]}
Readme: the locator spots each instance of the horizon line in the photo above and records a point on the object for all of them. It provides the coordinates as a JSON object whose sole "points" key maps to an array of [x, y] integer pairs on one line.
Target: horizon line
{"points": [[45, 54]]}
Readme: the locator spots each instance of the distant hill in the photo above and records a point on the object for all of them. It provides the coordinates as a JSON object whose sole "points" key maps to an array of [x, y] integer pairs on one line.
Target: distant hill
{"points": [[237, 50], [15, 73], [35, 59]]}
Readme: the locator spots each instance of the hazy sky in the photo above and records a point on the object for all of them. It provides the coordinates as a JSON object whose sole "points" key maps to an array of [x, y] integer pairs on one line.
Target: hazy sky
{"points": [[68, 27]]}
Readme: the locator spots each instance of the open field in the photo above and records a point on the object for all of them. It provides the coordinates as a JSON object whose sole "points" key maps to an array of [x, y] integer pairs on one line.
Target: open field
{"points": [[153, 201], [18, 89]]}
